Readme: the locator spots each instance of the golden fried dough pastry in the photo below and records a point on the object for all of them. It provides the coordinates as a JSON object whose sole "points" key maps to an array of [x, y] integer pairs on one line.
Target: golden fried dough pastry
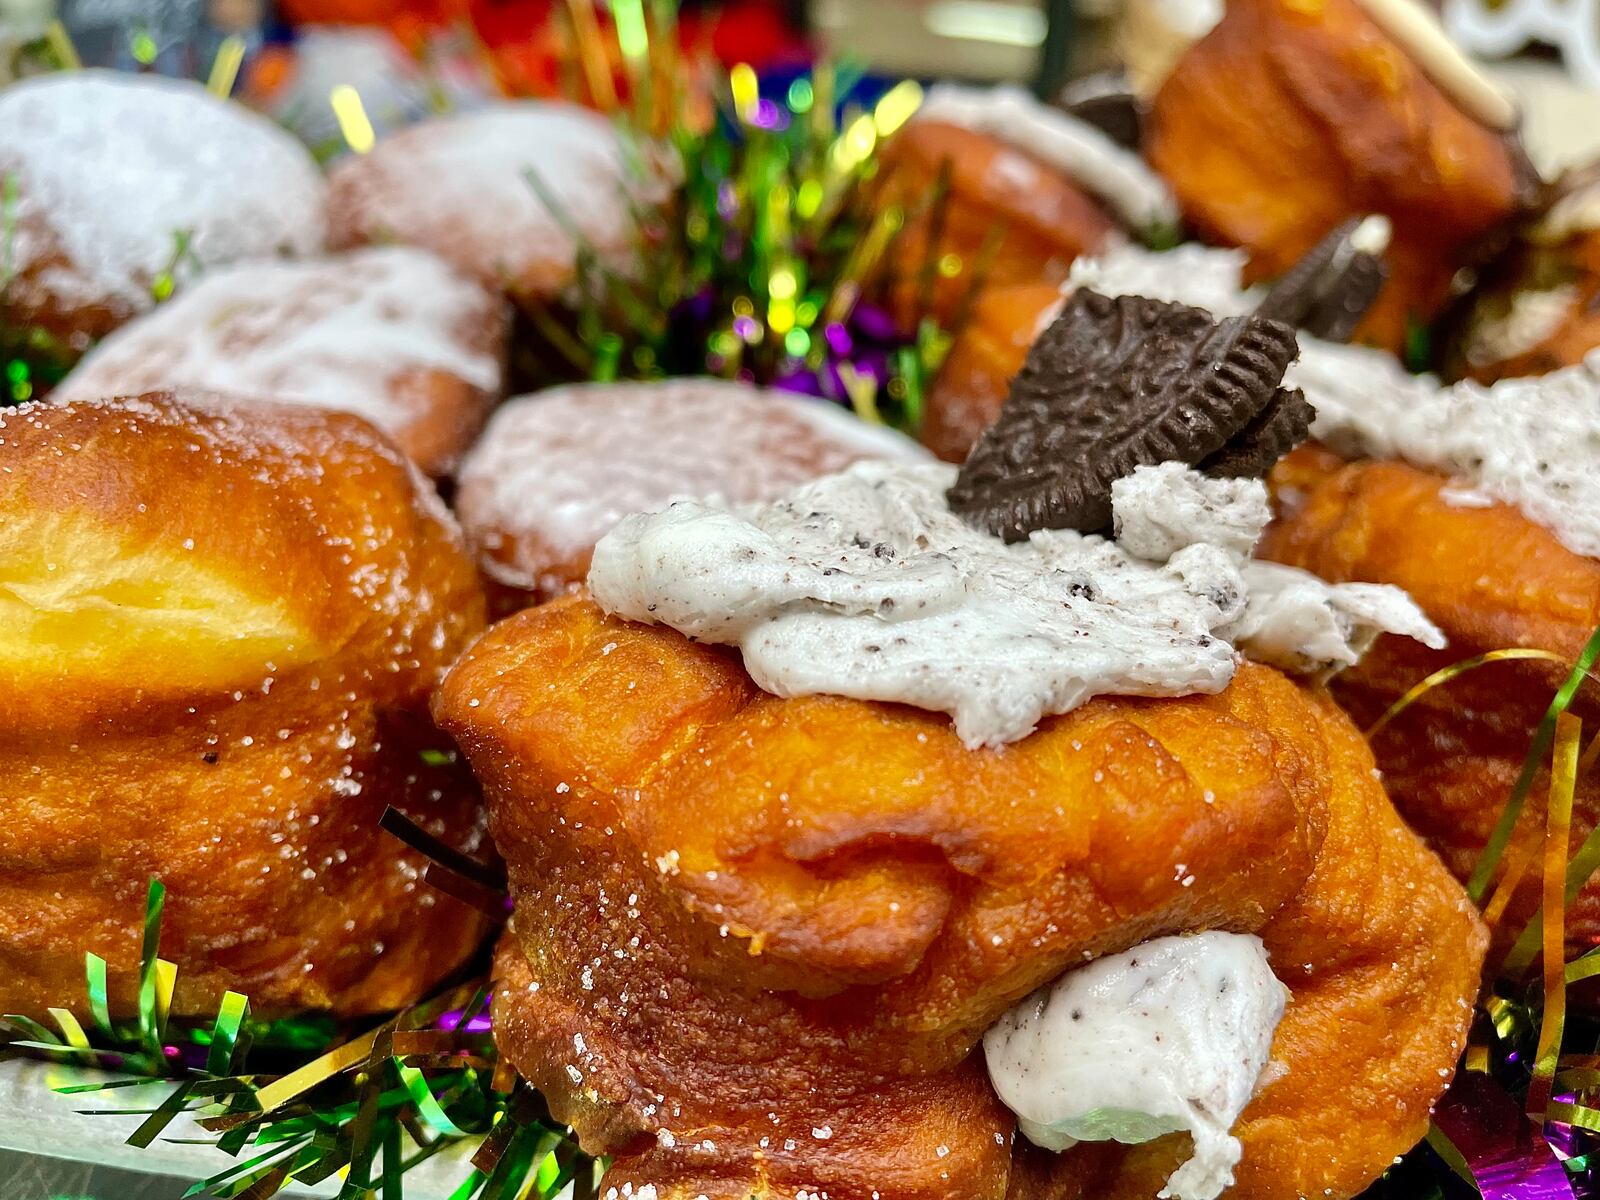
{"points": [[992, 180], [557, 469], [218, 634], [1492, 579], [1292, 116], [121, 178], [459, 186], [757, 939], [391, 334]]}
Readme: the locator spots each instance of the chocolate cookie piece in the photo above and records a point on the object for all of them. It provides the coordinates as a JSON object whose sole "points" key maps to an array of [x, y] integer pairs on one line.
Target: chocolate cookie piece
{"points": [[1107, 101], [1111, 385], [1328, 291], [1282, 425]]}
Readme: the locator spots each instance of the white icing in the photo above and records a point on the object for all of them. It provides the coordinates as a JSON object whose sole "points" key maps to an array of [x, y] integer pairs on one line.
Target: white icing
{"points": [[460, 186], [1187, 274], [1531, 442], [1416, 29], [864, 584], [112, 167], [335, 333], [555, 471], [1087, 156], [1172, 1035], [1158, 511], [1299, 623]]}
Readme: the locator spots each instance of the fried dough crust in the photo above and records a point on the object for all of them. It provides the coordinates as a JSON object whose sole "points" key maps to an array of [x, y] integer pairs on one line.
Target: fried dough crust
{"points": [[1491, 579], [1290, 117], [757, 939], [218, 633], [1043, 220]]}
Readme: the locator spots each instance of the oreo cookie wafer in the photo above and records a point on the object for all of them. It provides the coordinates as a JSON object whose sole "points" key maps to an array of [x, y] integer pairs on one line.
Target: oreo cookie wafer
{"points": [[1114, 384], [1328, 291]]}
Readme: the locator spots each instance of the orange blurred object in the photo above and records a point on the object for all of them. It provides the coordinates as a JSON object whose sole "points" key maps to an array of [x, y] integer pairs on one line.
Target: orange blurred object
{"points": [[1294, 115]]}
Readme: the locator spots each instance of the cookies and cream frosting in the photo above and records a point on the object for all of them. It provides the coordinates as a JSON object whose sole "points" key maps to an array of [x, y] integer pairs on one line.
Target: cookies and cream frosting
{"points": [[1533, 442], [1116, 176], [865, 584], [1172, 1036]]}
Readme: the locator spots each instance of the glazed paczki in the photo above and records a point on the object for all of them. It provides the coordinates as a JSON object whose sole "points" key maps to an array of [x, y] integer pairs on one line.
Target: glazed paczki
{"points": [[993, 181], [391, 334], [557, 469], [121, 181], [508, 194], [218, 635]]}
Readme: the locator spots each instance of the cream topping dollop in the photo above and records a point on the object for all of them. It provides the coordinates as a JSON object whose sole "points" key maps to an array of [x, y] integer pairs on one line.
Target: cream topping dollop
{"points": [[1171, 1036], [865, 584], [1116, 176]]}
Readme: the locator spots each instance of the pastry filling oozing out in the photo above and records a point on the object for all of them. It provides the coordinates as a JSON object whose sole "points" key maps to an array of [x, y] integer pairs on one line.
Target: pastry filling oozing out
{"points": [[865, 584], [1172, 1036]]}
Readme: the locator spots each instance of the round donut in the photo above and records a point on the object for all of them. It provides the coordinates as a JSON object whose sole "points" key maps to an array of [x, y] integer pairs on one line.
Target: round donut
{"points": [[391, 334], [556, 470], [218, 636], [468, 187], [120, 178]]}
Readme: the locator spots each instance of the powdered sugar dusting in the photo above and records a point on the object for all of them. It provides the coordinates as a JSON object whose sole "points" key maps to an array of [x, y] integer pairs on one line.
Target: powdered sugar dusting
{"points": [[111, 167], [460, 186], [555, 471], [335, 333]]}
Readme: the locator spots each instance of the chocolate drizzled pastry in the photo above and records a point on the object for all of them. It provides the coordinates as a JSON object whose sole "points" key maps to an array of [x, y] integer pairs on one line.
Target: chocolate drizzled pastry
{"points": [[1115, 384], [1328, 291]]}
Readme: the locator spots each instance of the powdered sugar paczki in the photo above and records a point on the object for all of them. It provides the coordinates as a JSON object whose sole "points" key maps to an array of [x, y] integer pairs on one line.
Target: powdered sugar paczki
{"points": [[340, 333], [555, 471], [111, 170], [474, 189]]}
